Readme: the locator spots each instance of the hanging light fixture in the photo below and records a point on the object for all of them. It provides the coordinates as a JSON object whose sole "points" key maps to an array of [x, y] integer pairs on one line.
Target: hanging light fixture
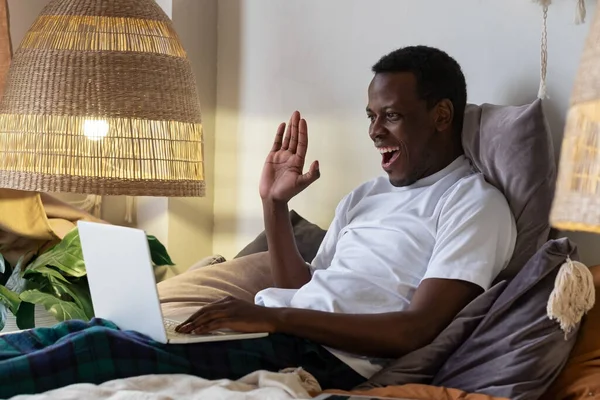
{"points": [[576, 203], [100, 99]]}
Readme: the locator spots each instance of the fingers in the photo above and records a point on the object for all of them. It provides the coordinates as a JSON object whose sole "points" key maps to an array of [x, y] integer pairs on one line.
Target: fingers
{"points": [[312, 175], [302, 139], [204, 319], [190, 319], [294, 132], [209, 309], [288, 132], [212, 326], [278, 138]]}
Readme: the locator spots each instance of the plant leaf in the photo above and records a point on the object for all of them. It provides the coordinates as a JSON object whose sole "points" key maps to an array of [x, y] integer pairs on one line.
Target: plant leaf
{"points": [[79, 292], [60, 286], [158, 252], [10, 299], [5, 270], [45, 271], [16, 283], [83, 297], [26, 316], [66, 256], [3, 314], [60, 309]]}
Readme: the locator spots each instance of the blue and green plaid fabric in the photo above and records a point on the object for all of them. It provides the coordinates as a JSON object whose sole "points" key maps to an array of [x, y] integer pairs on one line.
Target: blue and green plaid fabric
{"points": [[97, 351]]}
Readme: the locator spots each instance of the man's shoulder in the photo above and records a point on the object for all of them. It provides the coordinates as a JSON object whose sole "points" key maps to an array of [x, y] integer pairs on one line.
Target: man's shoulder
{"points": [[474, 191]]}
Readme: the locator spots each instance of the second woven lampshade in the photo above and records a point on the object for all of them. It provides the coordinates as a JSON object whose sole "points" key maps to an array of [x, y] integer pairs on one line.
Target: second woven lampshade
{"points": [[101, 99], [576, 205]]}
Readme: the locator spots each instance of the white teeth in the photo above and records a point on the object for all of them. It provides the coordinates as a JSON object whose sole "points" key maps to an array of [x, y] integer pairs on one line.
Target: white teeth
{"points": [[384, 150]]}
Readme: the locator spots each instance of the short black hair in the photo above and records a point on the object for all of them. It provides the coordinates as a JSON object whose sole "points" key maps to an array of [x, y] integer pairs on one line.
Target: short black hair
{"points": [[438, 76]]}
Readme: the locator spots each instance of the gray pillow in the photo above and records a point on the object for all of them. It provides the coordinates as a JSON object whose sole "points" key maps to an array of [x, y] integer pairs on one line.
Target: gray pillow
{"points": [[308, 238], [516, 352], [512, 147], [421, 365]]}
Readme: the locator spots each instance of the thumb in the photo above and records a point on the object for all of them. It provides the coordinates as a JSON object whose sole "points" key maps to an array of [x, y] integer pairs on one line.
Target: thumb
{"points": [[312, 175]]}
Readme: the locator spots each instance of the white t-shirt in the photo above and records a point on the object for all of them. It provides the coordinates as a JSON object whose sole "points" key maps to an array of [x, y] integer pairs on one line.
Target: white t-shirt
{"points": [[385, 240]]}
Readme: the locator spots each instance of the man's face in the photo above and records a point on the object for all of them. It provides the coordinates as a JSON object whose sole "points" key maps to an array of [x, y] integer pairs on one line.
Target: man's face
{"points": [[402, 128]]}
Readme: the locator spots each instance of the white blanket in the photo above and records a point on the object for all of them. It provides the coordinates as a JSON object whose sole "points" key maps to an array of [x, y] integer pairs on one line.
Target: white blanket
{"points": [[260, 385]]}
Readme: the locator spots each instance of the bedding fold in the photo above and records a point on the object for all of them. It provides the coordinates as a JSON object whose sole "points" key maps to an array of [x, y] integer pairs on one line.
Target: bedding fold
{"points": [[43, 359]]}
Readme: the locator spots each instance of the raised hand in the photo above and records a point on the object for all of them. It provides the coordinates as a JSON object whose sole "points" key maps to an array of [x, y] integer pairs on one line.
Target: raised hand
{"points": [[282, 176]]}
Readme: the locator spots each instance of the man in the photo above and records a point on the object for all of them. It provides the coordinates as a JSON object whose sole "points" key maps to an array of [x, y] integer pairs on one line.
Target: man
{"points": [[404, 253]]}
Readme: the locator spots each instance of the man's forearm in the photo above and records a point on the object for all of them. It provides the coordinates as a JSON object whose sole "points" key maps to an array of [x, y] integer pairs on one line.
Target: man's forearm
{"points": [[389, 335], [433, 306], [288, 268]]}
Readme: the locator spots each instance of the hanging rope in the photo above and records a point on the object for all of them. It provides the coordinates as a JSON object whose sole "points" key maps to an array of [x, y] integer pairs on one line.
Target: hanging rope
{"points": [[543, 92], [129, 208], [91, 204], [581, 12]]}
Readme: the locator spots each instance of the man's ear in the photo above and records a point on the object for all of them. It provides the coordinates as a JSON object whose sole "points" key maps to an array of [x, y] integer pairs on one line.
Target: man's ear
{"points": [[444, 115]]}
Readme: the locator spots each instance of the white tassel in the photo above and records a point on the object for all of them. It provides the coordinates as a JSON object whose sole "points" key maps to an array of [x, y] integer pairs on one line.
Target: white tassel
{"points": [[573, 295], [129, 209], [93, 205], [581, 12]]}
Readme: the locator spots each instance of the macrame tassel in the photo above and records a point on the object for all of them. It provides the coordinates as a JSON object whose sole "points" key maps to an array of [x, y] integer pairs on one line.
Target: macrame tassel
{"points": [[573, 295], [93, 205], [581, 12], [129, 209]]}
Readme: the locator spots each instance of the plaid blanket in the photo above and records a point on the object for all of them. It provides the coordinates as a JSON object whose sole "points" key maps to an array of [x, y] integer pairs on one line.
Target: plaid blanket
{"points": [[97, 351]]}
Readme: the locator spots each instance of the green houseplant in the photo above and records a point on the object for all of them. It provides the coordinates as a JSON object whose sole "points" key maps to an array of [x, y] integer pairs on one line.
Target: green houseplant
{"points": [[55, 279]]}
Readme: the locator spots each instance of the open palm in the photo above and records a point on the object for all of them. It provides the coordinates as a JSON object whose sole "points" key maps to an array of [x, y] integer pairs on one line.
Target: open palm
{"points": [[282, 176]]}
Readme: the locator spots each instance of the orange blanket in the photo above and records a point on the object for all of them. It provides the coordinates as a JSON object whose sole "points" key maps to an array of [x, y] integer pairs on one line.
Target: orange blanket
{"points": [[420, 392]]}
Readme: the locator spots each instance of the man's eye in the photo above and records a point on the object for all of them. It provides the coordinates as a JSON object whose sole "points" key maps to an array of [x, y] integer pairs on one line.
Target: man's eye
{"points": [[393, 116], [371, 118]]}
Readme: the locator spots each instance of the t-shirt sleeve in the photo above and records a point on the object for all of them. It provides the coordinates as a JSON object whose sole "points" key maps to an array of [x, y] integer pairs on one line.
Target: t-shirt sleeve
{"points": [[475, 237], [326, 250]]}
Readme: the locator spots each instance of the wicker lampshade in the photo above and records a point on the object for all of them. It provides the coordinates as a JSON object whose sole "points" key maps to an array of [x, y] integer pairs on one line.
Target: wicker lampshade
{"points": [[576, 203], [101, 99]]}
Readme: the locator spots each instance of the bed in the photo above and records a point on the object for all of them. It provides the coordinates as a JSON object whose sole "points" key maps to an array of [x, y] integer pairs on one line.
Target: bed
{"points": [[505, 330]]}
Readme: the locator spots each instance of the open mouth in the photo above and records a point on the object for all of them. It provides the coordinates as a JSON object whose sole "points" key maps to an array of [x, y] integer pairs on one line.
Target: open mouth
{"points": [[388, 155]]}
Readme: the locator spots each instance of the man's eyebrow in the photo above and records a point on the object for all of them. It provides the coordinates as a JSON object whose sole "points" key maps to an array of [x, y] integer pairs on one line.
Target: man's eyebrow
{"points": [[385, 107]]}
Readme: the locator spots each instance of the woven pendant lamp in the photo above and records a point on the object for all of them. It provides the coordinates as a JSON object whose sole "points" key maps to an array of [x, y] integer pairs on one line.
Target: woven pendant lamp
{"points": [[101, 99], [576, 203]]}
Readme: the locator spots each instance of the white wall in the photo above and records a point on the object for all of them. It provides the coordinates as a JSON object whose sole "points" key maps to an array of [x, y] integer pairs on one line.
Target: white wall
{"points": [[167, 6], [277, 56]]}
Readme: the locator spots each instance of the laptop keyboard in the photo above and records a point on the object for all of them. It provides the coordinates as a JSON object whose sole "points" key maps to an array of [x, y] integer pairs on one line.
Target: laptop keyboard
{"points": [[170, 326]]}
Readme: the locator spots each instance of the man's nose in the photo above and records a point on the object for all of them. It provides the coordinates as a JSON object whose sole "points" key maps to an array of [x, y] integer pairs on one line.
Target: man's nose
{"points": [[377, 129]]}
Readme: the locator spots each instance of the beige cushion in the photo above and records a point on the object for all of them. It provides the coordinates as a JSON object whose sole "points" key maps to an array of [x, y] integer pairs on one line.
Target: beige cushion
{"points": [[241, 278], [164, 272]]}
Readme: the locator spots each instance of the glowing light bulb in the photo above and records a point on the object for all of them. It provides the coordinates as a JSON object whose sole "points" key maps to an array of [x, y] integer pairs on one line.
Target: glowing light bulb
{"points": [[95, 129]]}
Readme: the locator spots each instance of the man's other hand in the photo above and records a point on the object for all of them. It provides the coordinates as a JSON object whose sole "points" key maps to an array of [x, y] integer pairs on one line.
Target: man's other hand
{"points": [[282, 177], [230, 313]]}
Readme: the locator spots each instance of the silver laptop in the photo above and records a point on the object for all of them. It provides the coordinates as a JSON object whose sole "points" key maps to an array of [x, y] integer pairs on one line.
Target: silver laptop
{"points": [[123, 287]]}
